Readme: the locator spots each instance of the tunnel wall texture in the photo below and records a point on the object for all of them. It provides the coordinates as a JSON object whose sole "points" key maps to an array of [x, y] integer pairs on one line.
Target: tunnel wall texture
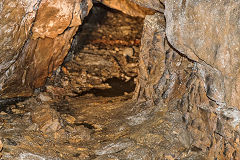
{"points": [[191, 62], [35, 36]]}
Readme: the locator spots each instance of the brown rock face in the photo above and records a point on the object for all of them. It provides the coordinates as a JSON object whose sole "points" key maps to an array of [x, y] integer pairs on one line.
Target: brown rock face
{"points": [[28, 58], [35, 42], [129, 7], [208, 32], [14, 32], [152, 56], [152, 4], [194, 120], [56, 16], [46, 118], [1, 147], [185, 105]]}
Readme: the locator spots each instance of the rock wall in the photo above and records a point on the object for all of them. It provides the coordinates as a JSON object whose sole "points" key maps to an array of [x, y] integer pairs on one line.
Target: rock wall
{"points": [[191, 66], [129, 7], [208, 32], [35, 42], [203, 129]]}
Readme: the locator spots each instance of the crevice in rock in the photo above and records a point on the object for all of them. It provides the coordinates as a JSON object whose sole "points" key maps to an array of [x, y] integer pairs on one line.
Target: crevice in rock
{"points": [[12, 101], [118, 88]]}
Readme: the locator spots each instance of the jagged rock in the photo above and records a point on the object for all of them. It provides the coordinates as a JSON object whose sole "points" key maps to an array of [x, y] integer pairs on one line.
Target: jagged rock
{"points": [[114, 147], [14, 32], [187, 91], [208, 32], [129, 7], [152, 56], [41, 37], [128, 52], [1, 147], [56, 16], [157, 5], [31, 156], [38, 43], [68, 118], [44, 97], [79, 134], [46, 118]]}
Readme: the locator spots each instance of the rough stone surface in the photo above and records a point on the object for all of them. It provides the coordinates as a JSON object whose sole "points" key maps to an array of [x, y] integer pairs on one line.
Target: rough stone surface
{"points": [[56, 16], [46, 118], [14, 32], [208, 32], [37, 43], [189, 92], [40, 38], [157, 5], [105, 59], [1, 148], [152, 61], [185, 105], [129, 7]]}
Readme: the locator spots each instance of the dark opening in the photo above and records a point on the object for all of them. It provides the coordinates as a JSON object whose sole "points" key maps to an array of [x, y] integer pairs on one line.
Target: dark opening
{"points": [[118, 88], [103, 59]]}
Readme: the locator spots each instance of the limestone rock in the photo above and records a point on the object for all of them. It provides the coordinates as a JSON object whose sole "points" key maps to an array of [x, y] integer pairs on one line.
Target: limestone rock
{"points": [[128, 52], [1, 147], [46, 118], [208, 32], [152, 56], [79, 134], [157, 5], [14, 32], [128, 7], [27, 59], [68, 118], [114, 147], [56, 16], [187, 88], [44, 97]]}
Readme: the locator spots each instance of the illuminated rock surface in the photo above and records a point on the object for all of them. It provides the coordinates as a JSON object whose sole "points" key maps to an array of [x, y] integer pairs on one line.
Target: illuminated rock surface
{"points": [[171, 95]]}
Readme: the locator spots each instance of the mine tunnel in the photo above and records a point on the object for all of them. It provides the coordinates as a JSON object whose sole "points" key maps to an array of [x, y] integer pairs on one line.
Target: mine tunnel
{"points": [[103, 59], [119, 80], [87, 91]]}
